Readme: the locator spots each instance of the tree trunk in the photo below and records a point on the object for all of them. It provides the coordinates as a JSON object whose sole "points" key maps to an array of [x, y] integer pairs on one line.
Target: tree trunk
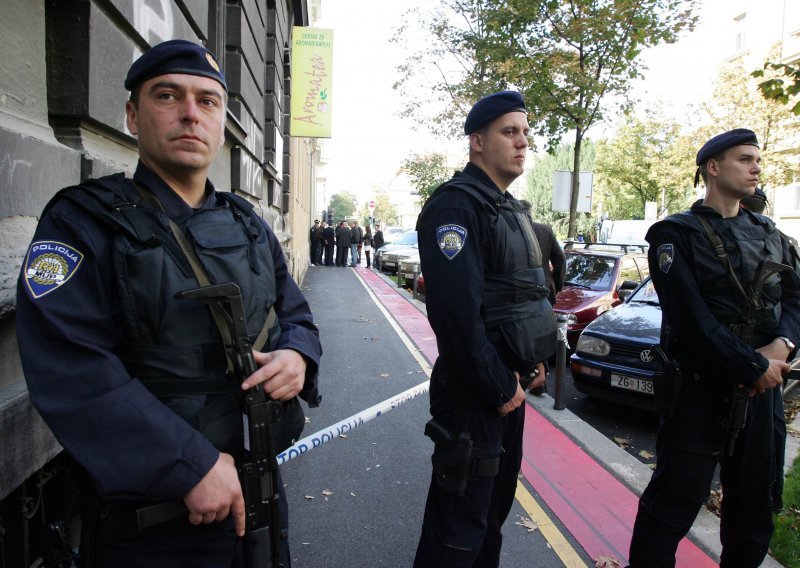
{"points": [[576, 185]]}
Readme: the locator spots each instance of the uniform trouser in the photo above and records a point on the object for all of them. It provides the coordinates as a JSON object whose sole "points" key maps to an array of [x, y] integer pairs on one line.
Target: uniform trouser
{"points": [[175, 544], [316, 252], [329, 260], [341, 255], [463, 531], [680, 485]]}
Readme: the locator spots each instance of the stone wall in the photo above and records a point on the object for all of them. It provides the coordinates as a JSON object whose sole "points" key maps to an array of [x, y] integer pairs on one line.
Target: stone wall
{"points": [[62, 117]]}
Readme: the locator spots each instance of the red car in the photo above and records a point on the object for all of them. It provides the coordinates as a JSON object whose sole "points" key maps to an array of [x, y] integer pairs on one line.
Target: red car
{"points": [[596, 274]]}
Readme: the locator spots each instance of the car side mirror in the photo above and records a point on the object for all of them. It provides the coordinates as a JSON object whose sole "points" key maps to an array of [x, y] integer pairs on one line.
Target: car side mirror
{"points": [[627, 285], [624, 294]]}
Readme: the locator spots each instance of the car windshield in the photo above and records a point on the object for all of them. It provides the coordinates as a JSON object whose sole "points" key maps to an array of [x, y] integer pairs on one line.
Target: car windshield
{"points": [[407, 238], [646, 294], [587, 271]]}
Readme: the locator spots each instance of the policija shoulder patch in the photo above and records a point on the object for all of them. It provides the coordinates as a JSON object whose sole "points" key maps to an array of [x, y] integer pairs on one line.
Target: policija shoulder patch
{"points": [[451, 239], [49, 265], [665, 255]]}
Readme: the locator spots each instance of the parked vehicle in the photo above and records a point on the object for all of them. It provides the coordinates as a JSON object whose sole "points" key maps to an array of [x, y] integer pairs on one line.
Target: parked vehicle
{"points": [[614, 359], [406, 240], [410, 269], [390, 234], [598, 277]]}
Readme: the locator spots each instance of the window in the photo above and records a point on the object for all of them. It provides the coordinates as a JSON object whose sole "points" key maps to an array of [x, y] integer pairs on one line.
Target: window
{"points": [[740, 39]]}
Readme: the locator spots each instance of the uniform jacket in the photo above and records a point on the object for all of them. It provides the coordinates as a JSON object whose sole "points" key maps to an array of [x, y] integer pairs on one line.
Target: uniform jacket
{"points": [[132, 445], [460, 251], [697, 298], [342, 236]]}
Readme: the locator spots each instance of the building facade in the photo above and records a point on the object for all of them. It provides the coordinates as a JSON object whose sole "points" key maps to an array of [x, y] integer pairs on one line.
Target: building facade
{"points": [[62, 120]]}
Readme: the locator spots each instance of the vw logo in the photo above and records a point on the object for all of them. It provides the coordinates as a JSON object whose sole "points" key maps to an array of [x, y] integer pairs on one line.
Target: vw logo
{"points": [[646, 357]]}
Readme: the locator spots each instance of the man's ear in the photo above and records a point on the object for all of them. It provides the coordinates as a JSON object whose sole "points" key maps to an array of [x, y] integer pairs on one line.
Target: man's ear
{"points": [[476, 142], [130, 117]]}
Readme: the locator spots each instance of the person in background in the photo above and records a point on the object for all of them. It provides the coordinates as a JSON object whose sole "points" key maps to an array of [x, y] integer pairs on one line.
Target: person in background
{"points": [[356, 236], [377, 239], [315, 241], [342, 243], [329, 242], [132, 381], [368, 245]]}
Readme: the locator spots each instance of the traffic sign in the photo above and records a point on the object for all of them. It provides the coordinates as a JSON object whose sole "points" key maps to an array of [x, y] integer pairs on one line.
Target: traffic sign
{"points": [[372, 204]]}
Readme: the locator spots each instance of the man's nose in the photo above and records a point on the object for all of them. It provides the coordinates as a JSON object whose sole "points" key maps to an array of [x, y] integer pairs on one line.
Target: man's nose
{"points": [[189, 110]]}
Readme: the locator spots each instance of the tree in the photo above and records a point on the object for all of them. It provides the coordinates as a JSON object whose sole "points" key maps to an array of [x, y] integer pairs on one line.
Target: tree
{"points": [[647, 160], [565, 56], [342, 206], [385, 212], [737, 103], [426, 172], [783, 86]]}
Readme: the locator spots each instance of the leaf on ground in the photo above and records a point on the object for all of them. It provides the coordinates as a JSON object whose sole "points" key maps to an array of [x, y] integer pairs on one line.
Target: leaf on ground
{"points": [[343, 435], [606, 562], [623, 443], [308, 420], [528, 524], [646, 455], [309, 496], [327, 492], [714, 501], [385, 375]]}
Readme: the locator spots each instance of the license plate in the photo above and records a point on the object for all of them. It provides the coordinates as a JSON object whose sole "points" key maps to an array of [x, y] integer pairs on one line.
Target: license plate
{"points": [[630, 383], [388, 263]]}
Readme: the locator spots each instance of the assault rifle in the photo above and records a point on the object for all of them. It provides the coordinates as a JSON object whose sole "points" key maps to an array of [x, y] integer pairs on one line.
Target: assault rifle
{"points": [[259, 467]]}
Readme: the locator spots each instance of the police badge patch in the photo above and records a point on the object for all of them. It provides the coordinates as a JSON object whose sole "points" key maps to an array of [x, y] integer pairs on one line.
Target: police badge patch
{"points": [[49, 265], [451, 239], [665, 255]]}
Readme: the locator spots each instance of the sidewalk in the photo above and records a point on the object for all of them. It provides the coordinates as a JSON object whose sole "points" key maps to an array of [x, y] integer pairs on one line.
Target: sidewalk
{"points": [[591, 484]]}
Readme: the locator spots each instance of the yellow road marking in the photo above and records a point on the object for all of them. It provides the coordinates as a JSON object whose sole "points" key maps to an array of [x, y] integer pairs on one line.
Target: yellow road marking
{"points": [[549, 530]]}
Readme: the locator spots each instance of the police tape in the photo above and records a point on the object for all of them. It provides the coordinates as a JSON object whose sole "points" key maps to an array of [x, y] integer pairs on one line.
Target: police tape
{"points": [[323, 436]]}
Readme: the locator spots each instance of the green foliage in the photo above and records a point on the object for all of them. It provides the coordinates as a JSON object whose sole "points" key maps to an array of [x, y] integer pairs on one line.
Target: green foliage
{"points": [[737, 103], [426, 173], [785, 543], [343, 205], [571, 59], [783, 87], [647, 160]]}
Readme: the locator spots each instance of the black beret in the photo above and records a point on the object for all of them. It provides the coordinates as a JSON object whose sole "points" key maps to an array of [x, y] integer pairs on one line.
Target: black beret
{"points": [[759, 194], [721, 142], [174, 56], [490, 107]]}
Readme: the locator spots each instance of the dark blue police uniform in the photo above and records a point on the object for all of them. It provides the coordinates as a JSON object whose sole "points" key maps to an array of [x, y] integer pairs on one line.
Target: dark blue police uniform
{"points": [[701, 313], [89, 299], [487, 305]]}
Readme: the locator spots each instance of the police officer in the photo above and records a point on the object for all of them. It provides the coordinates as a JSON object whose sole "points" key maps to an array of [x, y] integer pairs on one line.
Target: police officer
{"points": [[487, 305], [328, 240], [730, 321], [315, 241], [118, 368]]}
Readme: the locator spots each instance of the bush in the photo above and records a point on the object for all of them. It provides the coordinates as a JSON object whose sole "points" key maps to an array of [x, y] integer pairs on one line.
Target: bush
{"points": [[785, 544]]}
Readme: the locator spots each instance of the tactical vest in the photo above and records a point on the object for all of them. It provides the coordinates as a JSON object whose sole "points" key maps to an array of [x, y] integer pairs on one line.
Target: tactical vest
{"points": [[749, 239], [173, 346], [519, 319]]}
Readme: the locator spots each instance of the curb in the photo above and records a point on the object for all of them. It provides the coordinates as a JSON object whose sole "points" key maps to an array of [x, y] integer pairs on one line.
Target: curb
{"points": [[633, 473]]}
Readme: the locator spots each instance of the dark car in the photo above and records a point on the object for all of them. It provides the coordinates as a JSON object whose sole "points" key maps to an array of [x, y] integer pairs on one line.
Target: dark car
{"points": [[597, 278], [614, 359]]}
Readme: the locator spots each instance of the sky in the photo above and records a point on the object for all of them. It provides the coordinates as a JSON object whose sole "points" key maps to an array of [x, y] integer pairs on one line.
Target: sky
{"points": [[369, 141]]}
